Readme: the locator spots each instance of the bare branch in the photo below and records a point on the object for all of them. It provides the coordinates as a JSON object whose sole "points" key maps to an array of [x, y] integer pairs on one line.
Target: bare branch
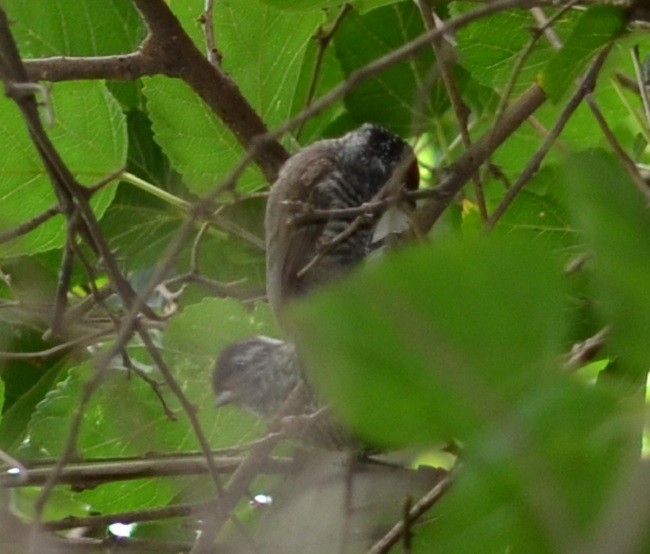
{"points": [[91, 473], [125, 67]]}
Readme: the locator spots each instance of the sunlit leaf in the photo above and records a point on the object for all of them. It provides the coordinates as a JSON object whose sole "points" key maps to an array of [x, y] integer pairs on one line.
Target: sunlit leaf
{"points": [[89, 131]]}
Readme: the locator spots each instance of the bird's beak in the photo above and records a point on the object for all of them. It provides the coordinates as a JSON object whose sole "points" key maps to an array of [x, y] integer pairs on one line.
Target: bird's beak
{"points": [[223, 398]]}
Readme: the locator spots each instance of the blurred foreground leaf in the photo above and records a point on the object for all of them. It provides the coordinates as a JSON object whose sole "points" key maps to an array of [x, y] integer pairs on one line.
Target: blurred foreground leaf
{"points": [[614, 218], [436, 341]]}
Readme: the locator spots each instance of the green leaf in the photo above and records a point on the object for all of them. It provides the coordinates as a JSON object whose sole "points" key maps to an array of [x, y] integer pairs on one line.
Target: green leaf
{"points": [[537, 212], [440, 338], [195, 141], [490, 54], [90, 134], [81, 28], [598, 26], [202, 330], [266, 70], [582, 130], [125, 417], [402, 94], [2, 396], [27, 387], [302, 5], [531, 485], [614, 218], [328, 76], [364, 6]]}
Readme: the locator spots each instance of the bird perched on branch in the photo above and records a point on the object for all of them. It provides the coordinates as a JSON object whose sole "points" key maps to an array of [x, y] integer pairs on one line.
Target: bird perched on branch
{"points": [[334, 203], [327, 210], [263, 376]]}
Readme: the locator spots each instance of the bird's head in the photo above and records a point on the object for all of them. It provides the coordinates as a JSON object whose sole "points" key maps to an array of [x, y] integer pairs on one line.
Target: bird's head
{"points": [[256, 374]]}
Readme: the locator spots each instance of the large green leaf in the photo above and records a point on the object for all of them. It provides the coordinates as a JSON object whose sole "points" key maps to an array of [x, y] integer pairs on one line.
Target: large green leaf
{"points": [[313, 5], [597, 26], [328, 76], [490, 54], [126, 418], [302, 5], [202, 330], [436, 341], [89, 132], [614, 218], [405, 93], [541, 481], [80, 28], [266, 70], [195, 141], [537, 211]]}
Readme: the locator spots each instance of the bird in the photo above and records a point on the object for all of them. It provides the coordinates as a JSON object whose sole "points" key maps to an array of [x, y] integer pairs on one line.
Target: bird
{"points": [[260, 374], [263, 375], [333, 174]]}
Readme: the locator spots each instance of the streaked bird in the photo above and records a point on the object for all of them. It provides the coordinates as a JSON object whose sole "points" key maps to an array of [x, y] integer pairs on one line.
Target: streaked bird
{"points": [[333, 174], [263, 376]]}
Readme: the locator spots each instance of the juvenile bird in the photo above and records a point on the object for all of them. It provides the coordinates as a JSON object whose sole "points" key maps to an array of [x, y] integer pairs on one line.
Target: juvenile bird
{"points": [[333, 174], [263, 375]]}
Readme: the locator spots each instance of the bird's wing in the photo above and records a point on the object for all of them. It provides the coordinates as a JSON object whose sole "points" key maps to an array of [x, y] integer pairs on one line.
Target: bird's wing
{"points": [[290, 245]]}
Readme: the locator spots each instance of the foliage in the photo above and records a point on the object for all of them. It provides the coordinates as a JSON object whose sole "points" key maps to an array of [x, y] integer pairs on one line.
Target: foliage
{"points": [[462, 337]]}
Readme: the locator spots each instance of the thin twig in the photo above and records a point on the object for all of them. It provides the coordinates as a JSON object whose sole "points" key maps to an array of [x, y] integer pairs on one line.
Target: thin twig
{"points": [[391, 538], [583, 352], [56, 350], [642, 81], [527, 50], [461, 111], [306, 214], [218, 288], [63, 281], [206, 20], [28, 226], [194, 255], [188, 407], [134, 516], [324, 38], [544, 24], [470, 161], [348, 496], [153, 384], [627, 162], [585, 87], [407, 534]]}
